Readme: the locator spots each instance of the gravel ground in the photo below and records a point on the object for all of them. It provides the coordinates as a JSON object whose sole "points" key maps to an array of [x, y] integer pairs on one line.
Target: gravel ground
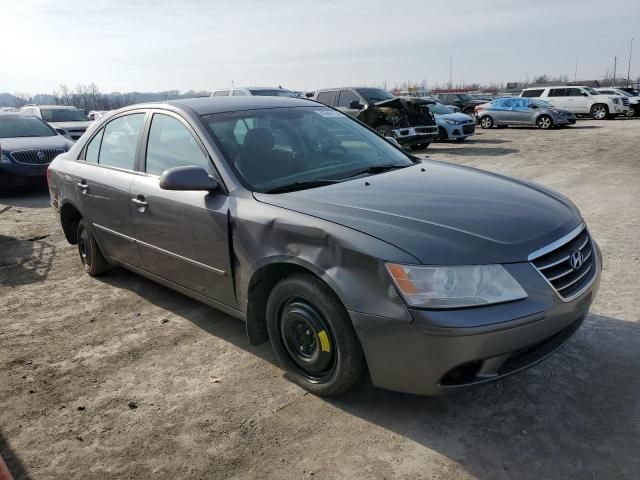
{"points": [[118, 377]]}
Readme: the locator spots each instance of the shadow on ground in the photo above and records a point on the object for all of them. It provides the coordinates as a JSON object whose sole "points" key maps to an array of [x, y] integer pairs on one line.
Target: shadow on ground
{"points": [[24, 197], [576, 415], [473, 151], [25, 261], [13, 462]]}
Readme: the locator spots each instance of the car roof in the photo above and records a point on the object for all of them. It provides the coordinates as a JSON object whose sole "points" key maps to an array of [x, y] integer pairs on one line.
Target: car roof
{"points": [[207, 105]]}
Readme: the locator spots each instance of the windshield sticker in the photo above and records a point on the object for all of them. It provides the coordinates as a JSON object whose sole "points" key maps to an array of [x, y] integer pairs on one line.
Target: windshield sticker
{"points": [[327, 113]]}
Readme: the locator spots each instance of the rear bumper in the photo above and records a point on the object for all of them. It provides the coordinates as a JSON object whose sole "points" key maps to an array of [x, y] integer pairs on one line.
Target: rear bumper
{"points": [[442, 351]]}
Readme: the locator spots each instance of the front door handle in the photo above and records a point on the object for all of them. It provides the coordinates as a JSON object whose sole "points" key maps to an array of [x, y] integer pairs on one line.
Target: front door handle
{"points": [[140, 203]]}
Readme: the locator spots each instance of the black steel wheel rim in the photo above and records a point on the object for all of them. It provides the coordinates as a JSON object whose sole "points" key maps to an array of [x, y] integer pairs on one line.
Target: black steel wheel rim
{"points": [[307, 339], [84, 247]]}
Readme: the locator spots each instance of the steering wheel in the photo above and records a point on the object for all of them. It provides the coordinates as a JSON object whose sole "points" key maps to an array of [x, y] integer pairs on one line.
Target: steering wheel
{"points": [[338, 151]]}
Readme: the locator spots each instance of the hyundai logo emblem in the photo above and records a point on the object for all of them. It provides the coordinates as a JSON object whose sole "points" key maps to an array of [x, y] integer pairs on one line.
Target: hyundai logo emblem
{"points": [[576, 259], [41, 156]]}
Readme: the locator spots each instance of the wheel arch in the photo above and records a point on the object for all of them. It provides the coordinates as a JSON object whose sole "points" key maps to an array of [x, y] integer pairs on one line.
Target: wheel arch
{"points": [[70, 216], [265, 276]]}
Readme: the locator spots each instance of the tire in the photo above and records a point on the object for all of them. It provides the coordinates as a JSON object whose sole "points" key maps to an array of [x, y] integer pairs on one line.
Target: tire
{"points": [[630, 113], [599, 111], [384, 130], [90, 254], [469, 111], [442, 134], [544, 122], [312, 336], [486, 122], [420, 146]]}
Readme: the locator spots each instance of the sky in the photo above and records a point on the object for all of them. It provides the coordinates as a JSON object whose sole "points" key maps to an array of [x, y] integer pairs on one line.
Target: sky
{"points": [[153, 45]]}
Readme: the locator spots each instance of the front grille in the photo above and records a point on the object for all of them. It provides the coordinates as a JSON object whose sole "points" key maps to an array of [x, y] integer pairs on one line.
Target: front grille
{"points": [[36, 157], [469, 128], [625, 101], [425, 129], [556, 265]]}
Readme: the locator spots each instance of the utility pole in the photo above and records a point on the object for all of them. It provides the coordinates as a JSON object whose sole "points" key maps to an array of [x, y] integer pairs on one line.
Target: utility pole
{"points": [[450, 72], [615, 66], [575, 75], [629, 67]]}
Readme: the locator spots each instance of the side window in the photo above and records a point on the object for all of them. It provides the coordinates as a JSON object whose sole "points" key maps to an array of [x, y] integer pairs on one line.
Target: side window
{"points": [[574, 92], [221, 93], [507, 103], [171, 145], [120, 140], [558, 92], [238, 93], [532, 93], [93, 149], [346, 97], [327, 97]]}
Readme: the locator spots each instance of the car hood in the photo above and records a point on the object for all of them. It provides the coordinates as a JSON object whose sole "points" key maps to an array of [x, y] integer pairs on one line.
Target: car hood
{"points": [[71, 125], [34, 143], [458, 117], [446, 214]]}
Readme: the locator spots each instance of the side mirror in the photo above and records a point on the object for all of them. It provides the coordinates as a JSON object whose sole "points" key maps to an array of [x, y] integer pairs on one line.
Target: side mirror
{"points": [[187, 178], [584, 94], [356, 105]]}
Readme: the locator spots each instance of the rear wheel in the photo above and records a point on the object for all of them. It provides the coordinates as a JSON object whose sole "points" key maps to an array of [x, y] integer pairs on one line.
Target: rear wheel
{"points": [[312, 336], [486, 122], [544, 122], [90, 254], [599, 112]]}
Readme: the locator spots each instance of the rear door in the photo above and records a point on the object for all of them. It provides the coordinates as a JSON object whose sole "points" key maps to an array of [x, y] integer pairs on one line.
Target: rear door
{"points": [[103, 177], [559, 97], [182, 236]]}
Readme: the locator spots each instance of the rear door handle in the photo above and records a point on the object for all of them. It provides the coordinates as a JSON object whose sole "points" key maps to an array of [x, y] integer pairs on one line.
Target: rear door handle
{"points": [[140, 203], [83, 186]]}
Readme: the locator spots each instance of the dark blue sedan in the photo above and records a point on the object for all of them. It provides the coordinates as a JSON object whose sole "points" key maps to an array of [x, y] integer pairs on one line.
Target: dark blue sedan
{"points": [[27, 147]]}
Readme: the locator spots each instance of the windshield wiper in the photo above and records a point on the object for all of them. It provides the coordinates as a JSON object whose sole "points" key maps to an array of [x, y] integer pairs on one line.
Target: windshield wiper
{"points": [[375, 169], [292, 187]]}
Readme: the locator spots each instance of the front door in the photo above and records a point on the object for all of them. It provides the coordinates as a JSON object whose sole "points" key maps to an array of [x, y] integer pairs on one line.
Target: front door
{"points": [[182, 236], [103, 180]]}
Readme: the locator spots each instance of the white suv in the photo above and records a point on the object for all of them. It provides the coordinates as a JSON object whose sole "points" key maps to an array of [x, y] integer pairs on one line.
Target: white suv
{"points": [[634, 102], [68, 121], [255, 91], [581, 100]]}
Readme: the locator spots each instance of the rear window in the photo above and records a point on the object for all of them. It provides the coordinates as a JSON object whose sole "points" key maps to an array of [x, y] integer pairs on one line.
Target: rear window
{"points": [[63, 115], [532, 93], [276, 92]]}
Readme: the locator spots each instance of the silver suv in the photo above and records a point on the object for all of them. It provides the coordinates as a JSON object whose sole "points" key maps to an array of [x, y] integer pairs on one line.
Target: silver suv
{"points": [[68, 121]]}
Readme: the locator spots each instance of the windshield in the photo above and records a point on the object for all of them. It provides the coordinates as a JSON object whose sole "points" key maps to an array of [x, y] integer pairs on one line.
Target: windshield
{"points": [[12, 126], [540, 103], [373, 95], [63, 115], [591, 91], [273, 93], [271, 148], [439, 109]]}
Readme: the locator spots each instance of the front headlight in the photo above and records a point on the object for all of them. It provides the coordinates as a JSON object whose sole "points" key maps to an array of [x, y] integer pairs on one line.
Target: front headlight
{"points": [[454, 287], [5, 159], [616, 101], [453, 122]]}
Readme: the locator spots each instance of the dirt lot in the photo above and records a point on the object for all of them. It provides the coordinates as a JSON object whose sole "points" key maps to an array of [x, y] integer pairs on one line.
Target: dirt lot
{"points": [[75, 351]]}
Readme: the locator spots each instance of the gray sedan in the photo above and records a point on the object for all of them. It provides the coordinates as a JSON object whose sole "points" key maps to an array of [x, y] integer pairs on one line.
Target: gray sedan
{"points": [[347, 254], [522, 111]]}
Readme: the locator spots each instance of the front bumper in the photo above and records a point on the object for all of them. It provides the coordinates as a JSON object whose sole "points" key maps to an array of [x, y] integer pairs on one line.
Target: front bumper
{"points": [[415, 135], [15, 174], [459, 131], [445, 350]]}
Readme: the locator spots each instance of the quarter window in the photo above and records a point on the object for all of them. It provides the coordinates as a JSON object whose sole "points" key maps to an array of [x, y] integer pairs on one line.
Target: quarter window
{"points": [[327, 98], [172, 145], [93, 149], [120, 140]]}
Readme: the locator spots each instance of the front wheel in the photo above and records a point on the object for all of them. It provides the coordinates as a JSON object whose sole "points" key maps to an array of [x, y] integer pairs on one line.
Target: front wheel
{"points": [[90, 254], [599, 112], [312, 336], [486, 122], [442, 134], [544, 122]]}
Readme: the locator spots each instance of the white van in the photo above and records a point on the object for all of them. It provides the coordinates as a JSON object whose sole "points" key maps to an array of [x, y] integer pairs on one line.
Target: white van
{"points": [[581, 100]]}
